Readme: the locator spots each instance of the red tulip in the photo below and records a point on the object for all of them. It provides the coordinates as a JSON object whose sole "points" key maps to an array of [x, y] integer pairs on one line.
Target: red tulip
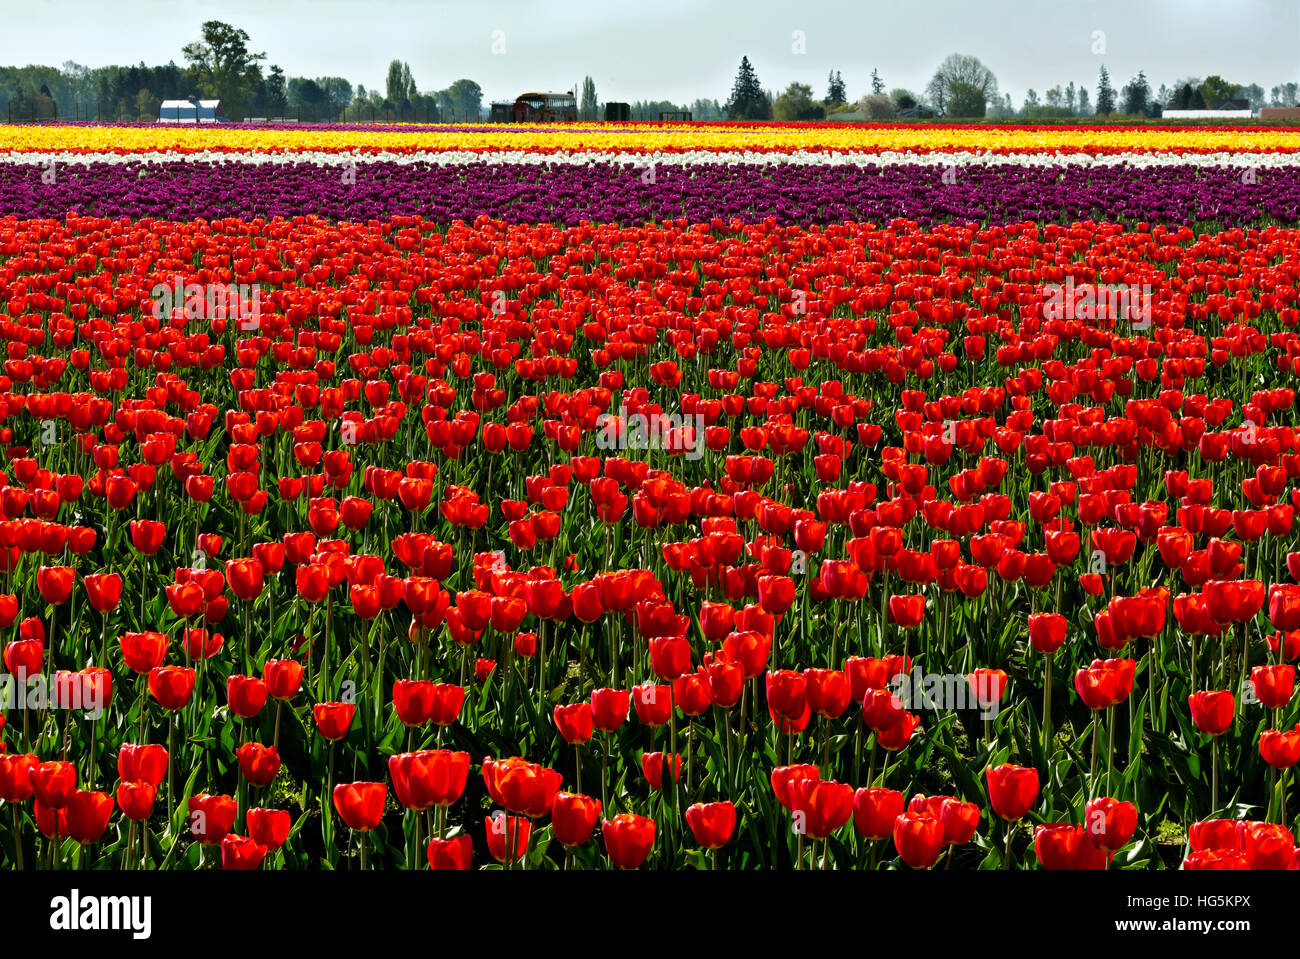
{"points": [[1212, 712], [456, 853], [574, 817], [874, 812], [918, 838], [1012, 790], [712, 824], [360, 804], [268, 827], [628, 840]]}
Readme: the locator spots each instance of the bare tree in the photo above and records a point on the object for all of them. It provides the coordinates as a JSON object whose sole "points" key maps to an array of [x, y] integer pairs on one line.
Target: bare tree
{"points": [[962, 87]]}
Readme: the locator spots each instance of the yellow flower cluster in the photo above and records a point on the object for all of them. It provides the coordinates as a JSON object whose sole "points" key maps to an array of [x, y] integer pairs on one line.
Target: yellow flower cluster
{"points": [[648, 137]]}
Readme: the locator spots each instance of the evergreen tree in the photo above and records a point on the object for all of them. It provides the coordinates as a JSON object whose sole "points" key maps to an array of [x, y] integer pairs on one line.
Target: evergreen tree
{"points": [[1105, 94], [835, 91], [877, 84], [1137, 92], [587, 108], [277, 98], [747, 99]]}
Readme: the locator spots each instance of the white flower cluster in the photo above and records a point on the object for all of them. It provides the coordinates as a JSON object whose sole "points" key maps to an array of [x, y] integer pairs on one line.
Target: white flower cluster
{"points": [[861, 158]]}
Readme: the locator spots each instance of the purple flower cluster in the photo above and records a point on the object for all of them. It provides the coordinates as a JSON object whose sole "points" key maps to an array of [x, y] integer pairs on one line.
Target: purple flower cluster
{"points": [[620, 192]]}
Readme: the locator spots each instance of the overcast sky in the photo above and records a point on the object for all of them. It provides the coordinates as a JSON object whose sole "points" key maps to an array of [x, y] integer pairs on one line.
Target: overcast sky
{"points": [[683, 49]]}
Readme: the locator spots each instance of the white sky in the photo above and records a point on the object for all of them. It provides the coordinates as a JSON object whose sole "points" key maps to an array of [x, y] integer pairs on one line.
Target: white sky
{"points": [[683, 49]]}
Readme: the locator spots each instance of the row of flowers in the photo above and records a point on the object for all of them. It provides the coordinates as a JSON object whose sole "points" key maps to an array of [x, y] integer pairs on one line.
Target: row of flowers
{"points": [[645, 159], [633, 192], [646, 137]]}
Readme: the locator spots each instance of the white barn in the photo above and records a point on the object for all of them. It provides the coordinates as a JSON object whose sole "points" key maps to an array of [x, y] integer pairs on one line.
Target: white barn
{"points": [[190, 111], [1206, 114]]}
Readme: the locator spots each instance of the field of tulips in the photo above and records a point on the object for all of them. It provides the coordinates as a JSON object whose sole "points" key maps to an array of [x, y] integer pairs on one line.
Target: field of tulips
{"points": [[701, 497]]}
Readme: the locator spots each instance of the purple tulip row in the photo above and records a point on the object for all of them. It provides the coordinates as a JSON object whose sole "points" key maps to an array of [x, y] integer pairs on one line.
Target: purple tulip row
{"points": [[612, 192]]}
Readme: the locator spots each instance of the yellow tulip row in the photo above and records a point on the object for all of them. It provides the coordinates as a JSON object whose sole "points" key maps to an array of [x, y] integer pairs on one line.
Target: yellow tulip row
{"points": [[647, 137]]}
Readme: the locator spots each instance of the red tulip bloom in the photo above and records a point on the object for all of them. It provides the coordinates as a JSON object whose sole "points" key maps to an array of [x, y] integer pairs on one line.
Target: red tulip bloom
{"points": [[820, 806], [874, 812], [987, 686], [456, 853], [55, 583], [334, 719], [88, 814], [828, 691], [1281, 750], [1234, 601], [1110, 823], [259, 764], [574, 722], [142, 764], [1217, 834], [1062, 845], [447, 700], [1047, 631], [520, 786], [241, 853], [507, 833], [147, 535], [653, 703], [136, 799], [283, 678], [787, 693], [1269, 846], [1215, 859], [268, 827], [1105, 682], [432, 777], [54, 782], [104, 590], [1012, 790], [628, 840], [172, 686], [360, 804], [144, 652], [573, 818], [211, 817], [245, 578], [918, 838], [1212, 712], [907, 612], [1274, 685], [16, 776], [24, 657], [712, 824], [246, 695], [608, 708]]}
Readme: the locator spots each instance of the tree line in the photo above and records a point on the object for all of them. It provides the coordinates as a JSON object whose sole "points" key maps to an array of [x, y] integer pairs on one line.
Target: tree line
{"points": [[964, 87], [222, 66]]}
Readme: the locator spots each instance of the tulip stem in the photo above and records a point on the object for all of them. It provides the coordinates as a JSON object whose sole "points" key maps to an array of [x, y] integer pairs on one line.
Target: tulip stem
{"points": [[1006, 859], [1047, 709], [171, 749], [18, 837], [1214, 774], [1110, 749], [1096, 730]]}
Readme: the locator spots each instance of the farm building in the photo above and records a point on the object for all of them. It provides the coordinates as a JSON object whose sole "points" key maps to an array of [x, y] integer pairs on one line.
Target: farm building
{"points": [[190, 111], [536, 108]]}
